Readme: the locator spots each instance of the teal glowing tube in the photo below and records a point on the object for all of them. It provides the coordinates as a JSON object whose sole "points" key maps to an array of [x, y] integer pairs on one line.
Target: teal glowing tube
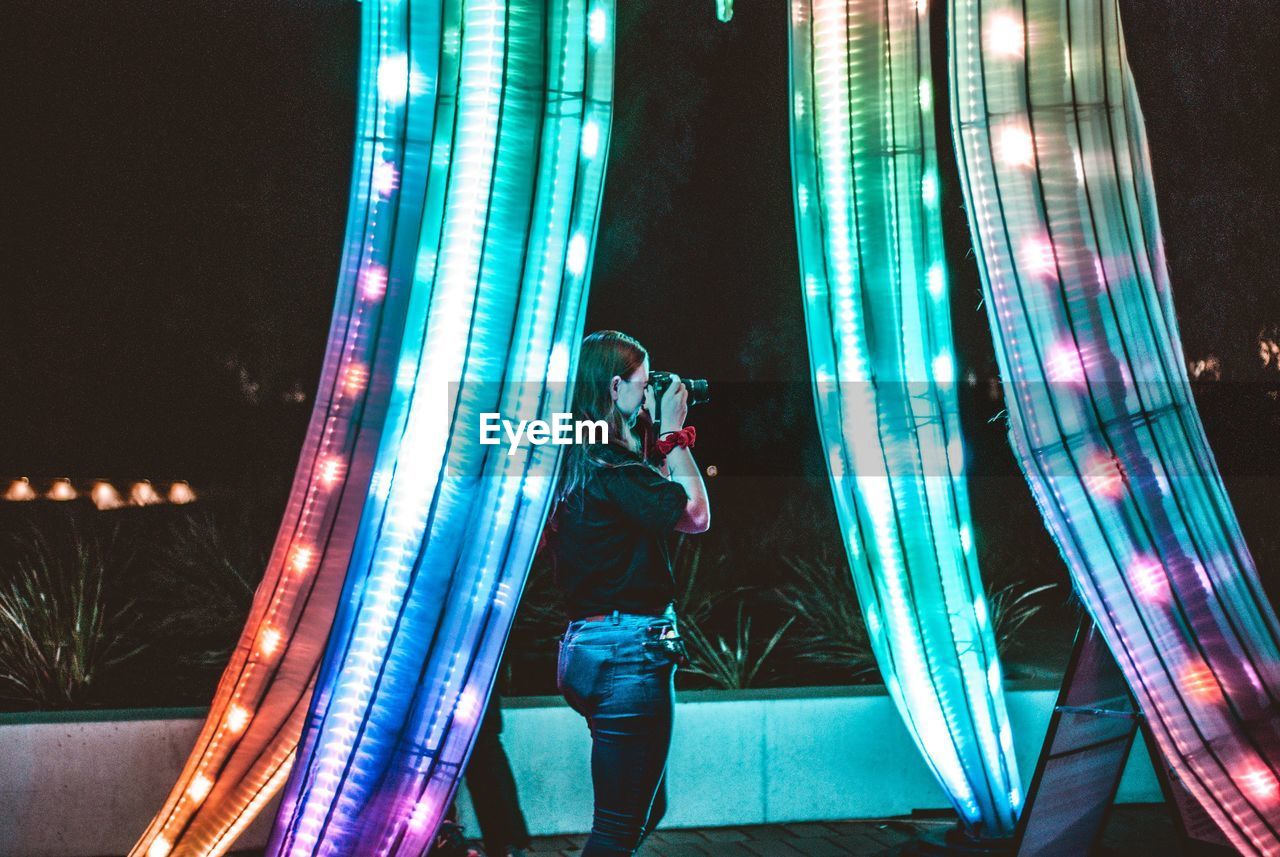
{"points": [[880, 347], [510, 104], [1062, 209]]}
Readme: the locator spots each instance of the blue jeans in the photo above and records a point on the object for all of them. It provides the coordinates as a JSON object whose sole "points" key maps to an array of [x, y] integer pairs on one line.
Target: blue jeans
{"points": [[619, 673]]}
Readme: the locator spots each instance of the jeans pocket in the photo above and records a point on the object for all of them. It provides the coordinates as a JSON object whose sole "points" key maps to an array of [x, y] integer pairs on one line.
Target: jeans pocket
{"points": [[584, 674]]}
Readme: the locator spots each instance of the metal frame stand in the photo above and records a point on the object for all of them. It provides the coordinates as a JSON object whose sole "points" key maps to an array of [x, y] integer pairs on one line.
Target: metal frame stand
{"points": [[1069, 801], [1078, 773]]}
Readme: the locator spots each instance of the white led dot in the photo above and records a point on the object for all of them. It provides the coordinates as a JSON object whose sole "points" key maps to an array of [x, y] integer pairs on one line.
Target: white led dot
{"points": [[577, 257], [994, 681], [590, 138], [944, 370], [937, 283], [929, 189], [597, 26], [1014, 146], [1004, 34], [199, 788], [393, 78], [558, 364], [406, 375], [270, 641], [237, 718]]}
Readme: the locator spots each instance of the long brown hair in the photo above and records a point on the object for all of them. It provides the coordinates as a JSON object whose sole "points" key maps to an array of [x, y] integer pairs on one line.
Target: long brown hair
{"points": [[604, 354]]}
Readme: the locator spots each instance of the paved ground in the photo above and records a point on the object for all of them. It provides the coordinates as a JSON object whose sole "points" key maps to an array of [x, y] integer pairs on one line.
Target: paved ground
{"points": [[1134, 830]]}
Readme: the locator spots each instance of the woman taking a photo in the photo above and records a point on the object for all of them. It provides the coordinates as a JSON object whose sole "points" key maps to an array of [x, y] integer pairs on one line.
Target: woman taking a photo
{"points": [[617, 504]]}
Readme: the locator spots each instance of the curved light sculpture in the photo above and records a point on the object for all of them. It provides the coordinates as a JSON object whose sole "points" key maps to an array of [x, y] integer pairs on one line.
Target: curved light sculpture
{"points": [[880, 347], [244, 751], [482, 132], [512, 114], [1057, 178]]}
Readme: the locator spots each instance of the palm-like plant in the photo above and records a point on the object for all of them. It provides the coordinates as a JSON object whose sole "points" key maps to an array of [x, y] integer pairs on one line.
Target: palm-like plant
{"points": [[59, 631], [830, 631], [1011, 607], [202, 582], [730, 663]]}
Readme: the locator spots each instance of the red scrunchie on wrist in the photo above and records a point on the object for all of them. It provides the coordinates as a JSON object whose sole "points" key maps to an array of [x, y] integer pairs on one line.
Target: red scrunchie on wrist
{"points": [[684, 437]]}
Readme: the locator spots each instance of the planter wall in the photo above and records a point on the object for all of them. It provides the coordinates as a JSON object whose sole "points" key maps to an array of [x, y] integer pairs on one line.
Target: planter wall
{"points": [[86, 784]]}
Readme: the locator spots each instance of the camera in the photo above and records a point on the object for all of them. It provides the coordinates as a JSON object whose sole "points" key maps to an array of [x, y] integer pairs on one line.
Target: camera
{"points": [[699, 391]]}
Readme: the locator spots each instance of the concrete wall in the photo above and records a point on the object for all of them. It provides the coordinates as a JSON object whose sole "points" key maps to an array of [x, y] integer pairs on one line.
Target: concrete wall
{"points": [[71, 787], [77, 787]]}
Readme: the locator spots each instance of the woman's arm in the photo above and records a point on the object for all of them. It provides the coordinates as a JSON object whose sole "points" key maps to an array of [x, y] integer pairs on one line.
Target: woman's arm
{"points": [[680, 463], [697, 511]]}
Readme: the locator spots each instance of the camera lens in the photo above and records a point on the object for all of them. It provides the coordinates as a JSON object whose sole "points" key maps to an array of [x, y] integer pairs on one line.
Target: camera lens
{"points": [[699, 389]]}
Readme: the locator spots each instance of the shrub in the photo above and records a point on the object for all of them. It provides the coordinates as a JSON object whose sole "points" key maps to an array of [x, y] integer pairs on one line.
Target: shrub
{"points": [[729, 662], [60, 633], [830, 632], [1012, 606], [200, 584]]}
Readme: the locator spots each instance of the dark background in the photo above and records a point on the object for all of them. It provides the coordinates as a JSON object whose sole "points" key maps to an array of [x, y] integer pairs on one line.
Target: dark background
{"points": [[175, 187]]}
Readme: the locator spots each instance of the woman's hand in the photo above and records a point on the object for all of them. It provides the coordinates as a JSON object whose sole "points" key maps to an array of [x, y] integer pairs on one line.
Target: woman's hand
{"points": [[675, 406]]}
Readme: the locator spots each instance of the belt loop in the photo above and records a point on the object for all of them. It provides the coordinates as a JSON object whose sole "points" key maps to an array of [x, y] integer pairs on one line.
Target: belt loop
{"points": [[616, 617]]}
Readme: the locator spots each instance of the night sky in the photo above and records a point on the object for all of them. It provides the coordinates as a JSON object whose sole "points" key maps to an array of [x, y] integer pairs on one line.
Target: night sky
{"points": [[175, 188]]}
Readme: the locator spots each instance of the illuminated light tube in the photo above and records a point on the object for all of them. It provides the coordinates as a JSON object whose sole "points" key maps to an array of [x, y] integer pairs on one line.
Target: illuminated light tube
{"points": [[880, 347], [514, 136], [256, 716], [1101, 415], [526, 321]]}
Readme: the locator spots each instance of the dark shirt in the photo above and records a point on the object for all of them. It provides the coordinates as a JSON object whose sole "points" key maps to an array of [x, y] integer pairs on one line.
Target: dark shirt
{"points": [[611, 538]]}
